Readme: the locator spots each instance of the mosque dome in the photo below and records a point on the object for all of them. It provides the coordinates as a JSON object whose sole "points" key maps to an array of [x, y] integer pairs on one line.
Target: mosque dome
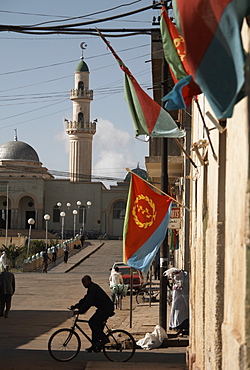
{"points": [[18, 151], [138, 171], [82, 67]]}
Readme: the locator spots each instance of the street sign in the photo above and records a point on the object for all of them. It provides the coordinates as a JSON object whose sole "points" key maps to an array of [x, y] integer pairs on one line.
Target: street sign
{"points": [[175, 218]]}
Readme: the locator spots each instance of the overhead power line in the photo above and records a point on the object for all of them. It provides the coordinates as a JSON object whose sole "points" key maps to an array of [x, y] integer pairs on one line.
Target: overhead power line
{"points": [[66, 174], [69, 61], [67, 17], [70, 28], [89, 15]]}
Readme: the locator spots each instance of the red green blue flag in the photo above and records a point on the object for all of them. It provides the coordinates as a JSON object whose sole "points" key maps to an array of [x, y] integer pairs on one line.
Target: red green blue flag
{"points": [[175, 54], [214, 50], [145, 226], [149, 118]]}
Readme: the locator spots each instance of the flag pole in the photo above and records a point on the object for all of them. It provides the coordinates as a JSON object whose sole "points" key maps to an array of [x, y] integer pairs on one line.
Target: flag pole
{"points": [[131, 298], [206, 129], [185, 152], [153, 186]]}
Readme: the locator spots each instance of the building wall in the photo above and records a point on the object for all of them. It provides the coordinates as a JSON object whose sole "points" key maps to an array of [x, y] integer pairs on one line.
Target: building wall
{"points": [[218, 244], [45, 194]]}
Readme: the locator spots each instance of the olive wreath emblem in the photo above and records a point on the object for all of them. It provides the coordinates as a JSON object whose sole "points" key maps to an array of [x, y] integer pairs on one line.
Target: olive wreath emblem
{"points": [[149, 213]]}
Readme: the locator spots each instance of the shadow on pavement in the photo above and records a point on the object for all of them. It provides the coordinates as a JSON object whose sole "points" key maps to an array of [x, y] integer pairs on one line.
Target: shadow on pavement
{"points": [[27, 325]]}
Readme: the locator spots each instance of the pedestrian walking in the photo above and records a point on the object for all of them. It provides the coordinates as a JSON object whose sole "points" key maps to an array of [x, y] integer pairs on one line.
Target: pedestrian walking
{"points": [[54, 251], [45, 260], [156, 266], [66, 252], [3, 261], [82, 238], [7, 289]]}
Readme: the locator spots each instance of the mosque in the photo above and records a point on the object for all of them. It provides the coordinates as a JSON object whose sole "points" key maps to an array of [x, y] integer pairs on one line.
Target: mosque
{"points": [[28, 190]]}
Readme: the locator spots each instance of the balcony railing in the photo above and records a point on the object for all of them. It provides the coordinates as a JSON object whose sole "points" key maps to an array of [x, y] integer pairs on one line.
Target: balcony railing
{"points": [[86, 94], [84, 126]]}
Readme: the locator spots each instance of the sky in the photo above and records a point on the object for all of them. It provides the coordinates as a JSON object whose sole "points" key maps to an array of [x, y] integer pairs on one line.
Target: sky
{"points": [[37, 73]]}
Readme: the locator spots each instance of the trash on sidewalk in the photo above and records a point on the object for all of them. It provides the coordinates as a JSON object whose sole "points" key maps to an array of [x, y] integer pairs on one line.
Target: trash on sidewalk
{"points": [[153, 340]]}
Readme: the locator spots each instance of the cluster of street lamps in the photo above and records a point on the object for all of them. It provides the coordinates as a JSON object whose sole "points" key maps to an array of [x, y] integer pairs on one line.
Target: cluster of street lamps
{"points": [[46, 217], [74, 212]]}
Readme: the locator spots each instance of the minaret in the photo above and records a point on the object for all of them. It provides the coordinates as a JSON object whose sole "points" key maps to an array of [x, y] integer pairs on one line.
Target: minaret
{"points": [[81, 129]]}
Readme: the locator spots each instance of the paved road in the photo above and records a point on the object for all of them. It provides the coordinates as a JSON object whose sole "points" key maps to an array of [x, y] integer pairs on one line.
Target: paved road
{"points": [[39, 308]]}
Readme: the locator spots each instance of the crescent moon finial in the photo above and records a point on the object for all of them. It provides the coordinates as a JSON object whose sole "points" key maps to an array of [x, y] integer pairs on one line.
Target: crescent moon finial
{"points": [[83, 46]]}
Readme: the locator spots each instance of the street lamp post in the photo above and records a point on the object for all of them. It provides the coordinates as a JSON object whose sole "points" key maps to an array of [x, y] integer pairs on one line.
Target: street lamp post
{"points": [[31, 222], [79, 203], [47, 218], [62, 214], [74, 215]]}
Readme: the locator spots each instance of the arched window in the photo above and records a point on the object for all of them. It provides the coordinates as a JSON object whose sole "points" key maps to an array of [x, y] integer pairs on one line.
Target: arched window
{"points": [[56, 214], [119, 210], [80, 85], [80, 118], [82, 214]]}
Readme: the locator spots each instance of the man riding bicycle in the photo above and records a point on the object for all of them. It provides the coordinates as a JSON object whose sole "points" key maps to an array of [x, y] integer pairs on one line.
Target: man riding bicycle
{"points": [[105, 308], [114, 280]]}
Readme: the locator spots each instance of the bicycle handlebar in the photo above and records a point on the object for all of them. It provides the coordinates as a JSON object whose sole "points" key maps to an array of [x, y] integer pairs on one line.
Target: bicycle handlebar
{"points": [[75, 312]]}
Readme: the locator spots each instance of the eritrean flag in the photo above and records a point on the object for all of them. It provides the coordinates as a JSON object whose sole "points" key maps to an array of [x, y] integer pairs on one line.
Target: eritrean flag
{"points": [[149, 118], [174, 49], [214, 51], [145, 226]]}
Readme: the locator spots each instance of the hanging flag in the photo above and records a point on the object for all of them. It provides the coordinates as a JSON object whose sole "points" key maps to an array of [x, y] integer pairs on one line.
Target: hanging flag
{"points": [[175, 54], [214, 51], [149, 118], [145, 226]]}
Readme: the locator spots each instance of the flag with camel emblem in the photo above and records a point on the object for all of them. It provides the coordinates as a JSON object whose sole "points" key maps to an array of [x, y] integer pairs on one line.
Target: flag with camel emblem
{"points": [[145, 226]]}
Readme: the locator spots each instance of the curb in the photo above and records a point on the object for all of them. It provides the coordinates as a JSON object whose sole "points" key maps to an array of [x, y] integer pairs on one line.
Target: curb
{"points": [[175, 342]]}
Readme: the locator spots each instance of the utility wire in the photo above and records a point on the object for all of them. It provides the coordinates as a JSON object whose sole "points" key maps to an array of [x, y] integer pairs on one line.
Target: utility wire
{"points": [[69, 28], [97, 20], [33, 119], [71, 61], [88, 15], [35, 68], [66, 174], [65, 16]]}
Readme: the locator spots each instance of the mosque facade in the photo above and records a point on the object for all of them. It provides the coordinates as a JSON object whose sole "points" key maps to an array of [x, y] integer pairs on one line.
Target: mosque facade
{"points": [[28, 190]]}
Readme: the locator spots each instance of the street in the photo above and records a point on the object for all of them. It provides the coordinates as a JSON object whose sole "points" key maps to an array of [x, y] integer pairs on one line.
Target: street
{"points": [[39, 307]]}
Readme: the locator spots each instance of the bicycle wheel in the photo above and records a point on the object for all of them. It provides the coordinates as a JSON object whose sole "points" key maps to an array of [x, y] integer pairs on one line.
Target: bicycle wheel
{"points": [[121, 346], [142, 297], [64, 345]]}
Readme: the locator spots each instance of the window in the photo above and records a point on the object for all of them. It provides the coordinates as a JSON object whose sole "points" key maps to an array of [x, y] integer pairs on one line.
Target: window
{"points": [[80, 118], [82, 214], [119, 210], [80, 85], [56, 214]]}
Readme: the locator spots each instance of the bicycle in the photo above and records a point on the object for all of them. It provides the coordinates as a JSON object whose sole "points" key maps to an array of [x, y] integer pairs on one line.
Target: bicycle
{"points": [[145, 294], [119, 291], [65, 344], [118, 301]]}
